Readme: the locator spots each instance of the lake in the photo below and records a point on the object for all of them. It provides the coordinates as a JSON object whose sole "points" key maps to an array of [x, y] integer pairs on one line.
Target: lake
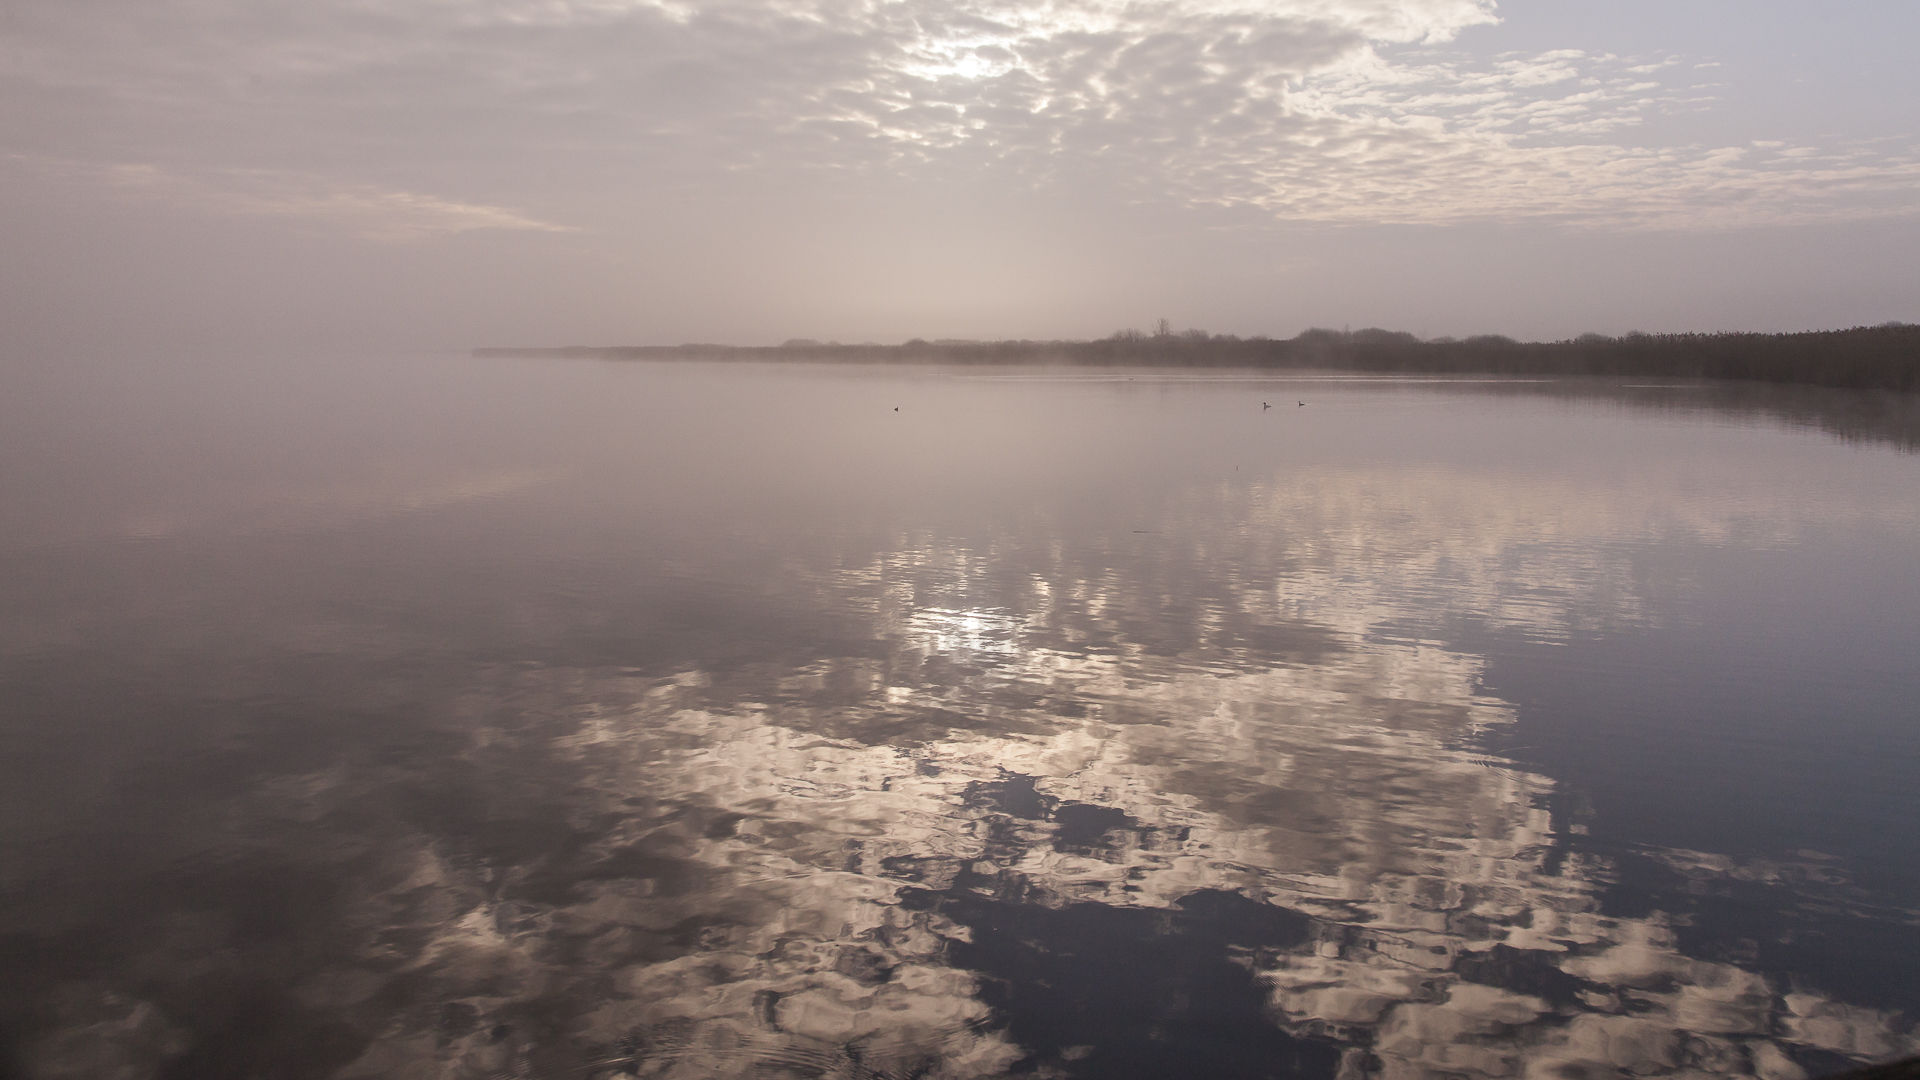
{"points": [[438, 717]]}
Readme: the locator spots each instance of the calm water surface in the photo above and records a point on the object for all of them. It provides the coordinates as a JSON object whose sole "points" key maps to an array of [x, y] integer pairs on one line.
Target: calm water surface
{"points": [[477, 719]]}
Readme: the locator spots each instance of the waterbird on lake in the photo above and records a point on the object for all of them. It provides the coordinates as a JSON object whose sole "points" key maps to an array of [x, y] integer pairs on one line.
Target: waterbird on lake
{"points": [[1303, 403], [1264, 405]]}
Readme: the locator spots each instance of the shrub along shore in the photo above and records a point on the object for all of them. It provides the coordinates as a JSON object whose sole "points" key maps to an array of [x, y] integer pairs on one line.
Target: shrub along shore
{"points": [[1883, 357]]}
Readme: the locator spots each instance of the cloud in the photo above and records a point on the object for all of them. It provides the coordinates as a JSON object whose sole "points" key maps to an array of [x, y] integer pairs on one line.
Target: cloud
{"points": [[1352, 111], [365, 210], [315, 202]]}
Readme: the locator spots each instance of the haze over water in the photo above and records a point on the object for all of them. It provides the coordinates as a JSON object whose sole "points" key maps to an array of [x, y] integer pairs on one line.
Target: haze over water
{"points": [[473, 718]]}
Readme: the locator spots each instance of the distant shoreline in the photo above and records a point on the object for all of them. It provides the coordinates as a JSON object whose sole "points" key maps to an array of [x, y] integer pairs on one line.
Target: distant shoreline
{"points": [[1866, 358]]}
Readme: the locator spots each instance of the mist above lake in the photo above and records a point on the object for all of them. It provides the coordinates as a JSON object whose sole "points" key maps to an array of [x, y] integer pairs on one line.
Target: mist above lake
{"points": [[545, 718]]}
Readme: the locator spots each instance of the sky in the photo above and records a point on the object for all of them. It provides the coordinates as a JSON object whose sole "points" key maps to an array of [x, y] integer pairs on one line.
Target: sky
{"points": [[441, 174]]}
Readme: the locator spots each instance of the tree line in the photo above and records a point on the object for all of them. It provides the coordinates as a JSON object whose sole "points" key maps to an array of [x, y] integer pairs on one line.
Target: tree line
{"points": [[1885, 357]]}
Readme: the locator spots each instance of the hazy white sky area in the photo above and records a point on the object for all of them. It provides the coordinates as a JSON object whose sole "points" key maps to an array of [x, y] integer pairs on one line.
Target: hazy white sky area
{"points": [[448, 173]]}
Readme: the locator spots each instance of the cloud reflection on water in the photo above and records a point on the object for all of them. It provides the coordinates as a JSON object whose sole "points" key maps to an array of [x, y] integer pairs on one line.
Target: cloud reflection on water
{"points": [[837, 816], [1067, 801]]}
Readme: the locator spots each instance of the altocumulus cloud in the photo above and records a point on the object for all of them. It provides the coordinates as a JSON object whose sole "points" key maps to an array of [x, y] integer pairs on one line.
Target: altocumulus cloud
{"points": [[396, 120]]}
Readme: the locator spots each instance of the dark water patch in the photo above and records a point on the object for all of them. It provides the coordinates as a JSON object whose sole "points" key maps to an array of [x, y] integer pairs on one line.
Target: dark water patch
{"points": [[242, 1032], [1266, 645], [1012, 794], [933, 871], [1099, 991], [1827, 937], [1084, 826], [1523, 971], [558, 876]]}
